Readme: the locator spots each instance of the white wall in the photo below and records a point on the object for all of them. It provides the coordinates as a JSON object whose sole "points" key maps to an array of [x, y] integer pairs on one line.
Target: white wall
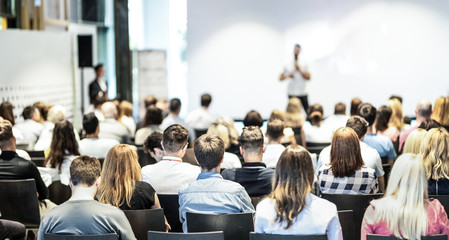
{"points": [[367, 49]]}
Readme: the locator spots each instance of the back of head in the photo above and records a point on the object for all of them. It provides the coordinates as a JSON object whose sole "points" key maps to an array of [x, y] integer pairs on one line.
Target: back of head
{"points": [[429, 124], [382, 118], [340, 109], [229, 123], [126, 108], [358, 124], [294, 106], [90, 123], [441, 111], [206, 99], [6, 112], [251, 140], [6, 136], [209, 151], [84, 170], [149, 101], [396, 97], [153, 141], [56, 114], [435, 153], [397, 118], [120, 172], [275, 129], [277, 114], [292, 182], [355, 103], [175, 105], [221, 131], [153, 116], [28, 112], [175, 138], [424, 109], [315, 113], [253, 118], [414, 140], [63, 143], [368, 112], [346, 157], [109, 110]]}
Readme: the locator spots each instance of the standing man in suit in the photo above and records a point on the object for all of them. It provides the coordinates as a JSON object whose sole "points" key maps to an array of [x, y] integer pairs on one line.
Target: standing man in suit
{"points": [[98, 87]]}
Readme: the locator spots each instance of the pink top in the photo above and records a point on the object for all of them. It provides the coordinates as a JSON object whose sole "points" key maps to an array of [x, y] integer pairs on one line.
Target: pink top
{"points": [[437, 220]]}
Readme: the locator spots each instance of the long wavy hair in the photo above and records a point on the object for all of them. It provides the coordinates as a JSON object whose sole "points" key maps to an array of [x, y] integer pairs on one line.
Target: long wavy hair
{"points": [[397, 117], [63, 143], [120, 172], [441, 111], [435, 153], [292, 181]]}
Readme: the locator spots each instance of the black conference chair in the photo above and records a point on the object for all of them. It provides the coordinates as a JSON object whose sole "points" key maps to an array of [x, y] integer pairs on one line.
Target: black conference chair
{"points": [[18, 202], [298, 136], [144, 220], [58, 192], [260, 236], [316, 147], [185, 236], [235, 226], [346, 218], [50, 236], [170, 205], [382, 237], [444, 200], [36, 154], [144, 157], [199, 132]]}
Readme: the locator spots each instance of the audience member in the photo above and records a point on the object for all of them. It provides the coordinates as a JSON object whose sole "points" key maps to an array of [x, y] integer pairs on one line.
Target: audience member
{"points": [[314, 131], [147, 102], [254, 176], [98, 88], [91, 145], [435, 153], [43, 109], [230, 160], [291, 208], [396, 97], [173, 116], [370, 156], [201, 119], [274, 148], [55, 114], [153, 146], [397, 118], [337, 120], [441, 112], [110, 127], [170, 174], [31, 128], [382, 126], [414, 141], [253, 118], [81, 214], [405, 211], [346, 173], [423, 111], [210, 193], [6, 112], [429, 124], [233, 136], [355, 103], [151, 123], [126, 116], [12, 230], [288, 133], [293, 116]]}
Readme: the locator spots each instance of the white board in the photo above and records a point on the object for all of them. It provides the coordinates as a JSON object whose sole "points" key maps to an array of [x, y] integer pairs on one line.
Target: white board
{"points": [[152, 74]]}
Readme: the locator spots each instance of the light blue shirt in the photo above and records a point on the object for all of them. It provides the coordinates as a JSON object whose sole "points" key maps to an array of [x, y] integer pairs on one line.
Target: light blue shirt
{"points": [[382, 144], [211, 194]]}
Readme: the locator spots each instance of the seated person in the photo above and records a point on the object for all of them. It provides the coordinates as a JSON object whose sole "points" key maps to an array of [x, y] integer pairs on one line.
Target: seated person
{"points": [[92, 145], [230, 160], [110, 127], [30, 128], [152, 145], [55, 114], [383, 118], [254, 175], [405, 211], [201, 118], [210, 193], [12, 230], [346, 173], [414, 140], [274, 149], [291, 208], [81, 214], [337, 120], [315, 131], [151, 122]]}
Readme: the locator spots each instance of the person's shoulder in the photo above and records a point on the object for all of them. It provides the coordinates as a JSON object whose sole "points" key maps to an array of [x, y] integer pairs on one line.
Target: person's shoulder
{"points": [[266, 203], [322, 203], [144, 186], [229, 173]]}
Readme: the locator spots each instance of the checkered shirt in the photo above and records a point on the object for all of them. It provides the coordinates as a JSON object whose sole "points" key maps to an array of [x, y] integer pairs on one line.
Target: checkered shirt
{"points": [[363, 181]]}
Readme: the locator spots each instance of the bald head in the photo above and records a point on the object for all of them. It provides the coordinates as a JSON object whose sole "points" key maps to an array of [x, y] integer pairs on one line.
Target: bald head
{"points": [[109, 110], [424, 109]]}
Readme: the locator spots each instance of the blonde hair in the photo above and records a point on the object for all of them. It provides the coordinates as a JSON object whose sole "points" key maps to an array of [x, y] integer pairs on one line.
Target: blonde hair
{"points": [[414, 140], [397, 118], [405, 212], [229, 123], [126, 109], [293, 117], [441, 111], [56, 114], [435, 153], [120, 172], [221, 131]]}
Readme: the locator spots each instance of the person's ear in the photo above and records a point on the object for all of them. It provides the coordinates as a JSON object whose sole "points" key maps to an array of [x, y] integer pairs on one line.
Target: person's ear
{"points": [[70, 183], [241, 150], [98, 182], [162, 144], [263, 148]]}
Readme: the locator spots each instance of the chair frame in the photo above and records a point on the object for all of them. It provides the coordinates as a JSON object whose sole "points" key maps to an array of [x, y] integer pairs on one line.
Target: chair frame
{"points": [[263, 236], [215, 235], [53, 236]]}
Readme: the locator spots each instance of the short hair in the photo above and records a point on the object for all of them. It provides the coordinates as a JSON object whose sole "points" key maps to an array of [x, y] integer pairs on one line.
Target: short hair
{"points": [[149, 100], [109, 110], [28, 112], [315, 112], [275, 129], [429, 124], [126, 108], [153, 116], [340, 109], [175, 105], [253, 118], [90, 123], [5, 131], [6, 111], [209, 151], [85, 170], [355, 103], [297, 45], [397, 97], [98, 66], [358, 124], [206, 99], [56, 114], [153, 141], [424, 109], [383, 117], [346, 156], [252, 139], [175, 138], [368, 112], [43, 109]]}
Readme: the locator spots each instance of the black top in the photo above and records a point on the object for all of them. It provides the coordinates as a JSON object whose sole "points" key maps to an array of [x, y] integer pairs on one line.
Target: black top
{"points": [[254, 177], [143, 197], [14, 167], [440, 187], [95, 89]]}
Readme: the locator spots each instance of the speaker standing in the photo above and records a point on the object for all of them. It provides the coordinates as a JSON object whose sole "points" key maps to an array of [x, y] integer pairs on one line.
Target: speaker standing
{"points": [[98, 88]]}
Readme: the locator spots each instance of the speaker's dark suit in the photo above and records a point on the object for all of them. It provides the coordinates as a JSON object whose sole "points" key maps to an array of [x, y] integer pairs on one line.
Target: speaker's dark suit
{"points": [[95, 89]]}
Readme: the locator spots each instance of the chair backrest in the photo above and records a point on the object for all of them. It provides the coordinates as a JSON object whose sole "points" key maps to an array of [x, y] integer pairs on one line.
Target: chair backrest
{"points": [[356, 203], [298, 137], [170, 204], [58, 192], [444, 200], [199, 132], [144, 158], [37, 154], [18, 202], [316, 147], [218, 235], [39, 161], [233, 225], [382, 237], [346, 218], [144, 220], [109, 236], [189, 157], [260, 236]]}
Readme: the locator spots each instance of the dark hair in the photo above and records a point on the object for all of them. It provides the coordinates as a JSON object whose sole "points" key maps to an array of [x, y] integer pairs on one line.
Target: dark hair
{"points": [[275, 129], [252, 139], [253, 118], [153, 141], [368, 112], [175, 104], [90, 123], [355, 103], [399, 98], [314, 118], [206, 99], [345, 153], [209, 151], [153, 116], [5, 130], [340, 108], [383, 117], [358, 124], [429, 124], [43, 109], [85, 170], [28, 112], [175, 138], [297, 45], [98, 66], [149, 100], [63, 142], [6, 112]]}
